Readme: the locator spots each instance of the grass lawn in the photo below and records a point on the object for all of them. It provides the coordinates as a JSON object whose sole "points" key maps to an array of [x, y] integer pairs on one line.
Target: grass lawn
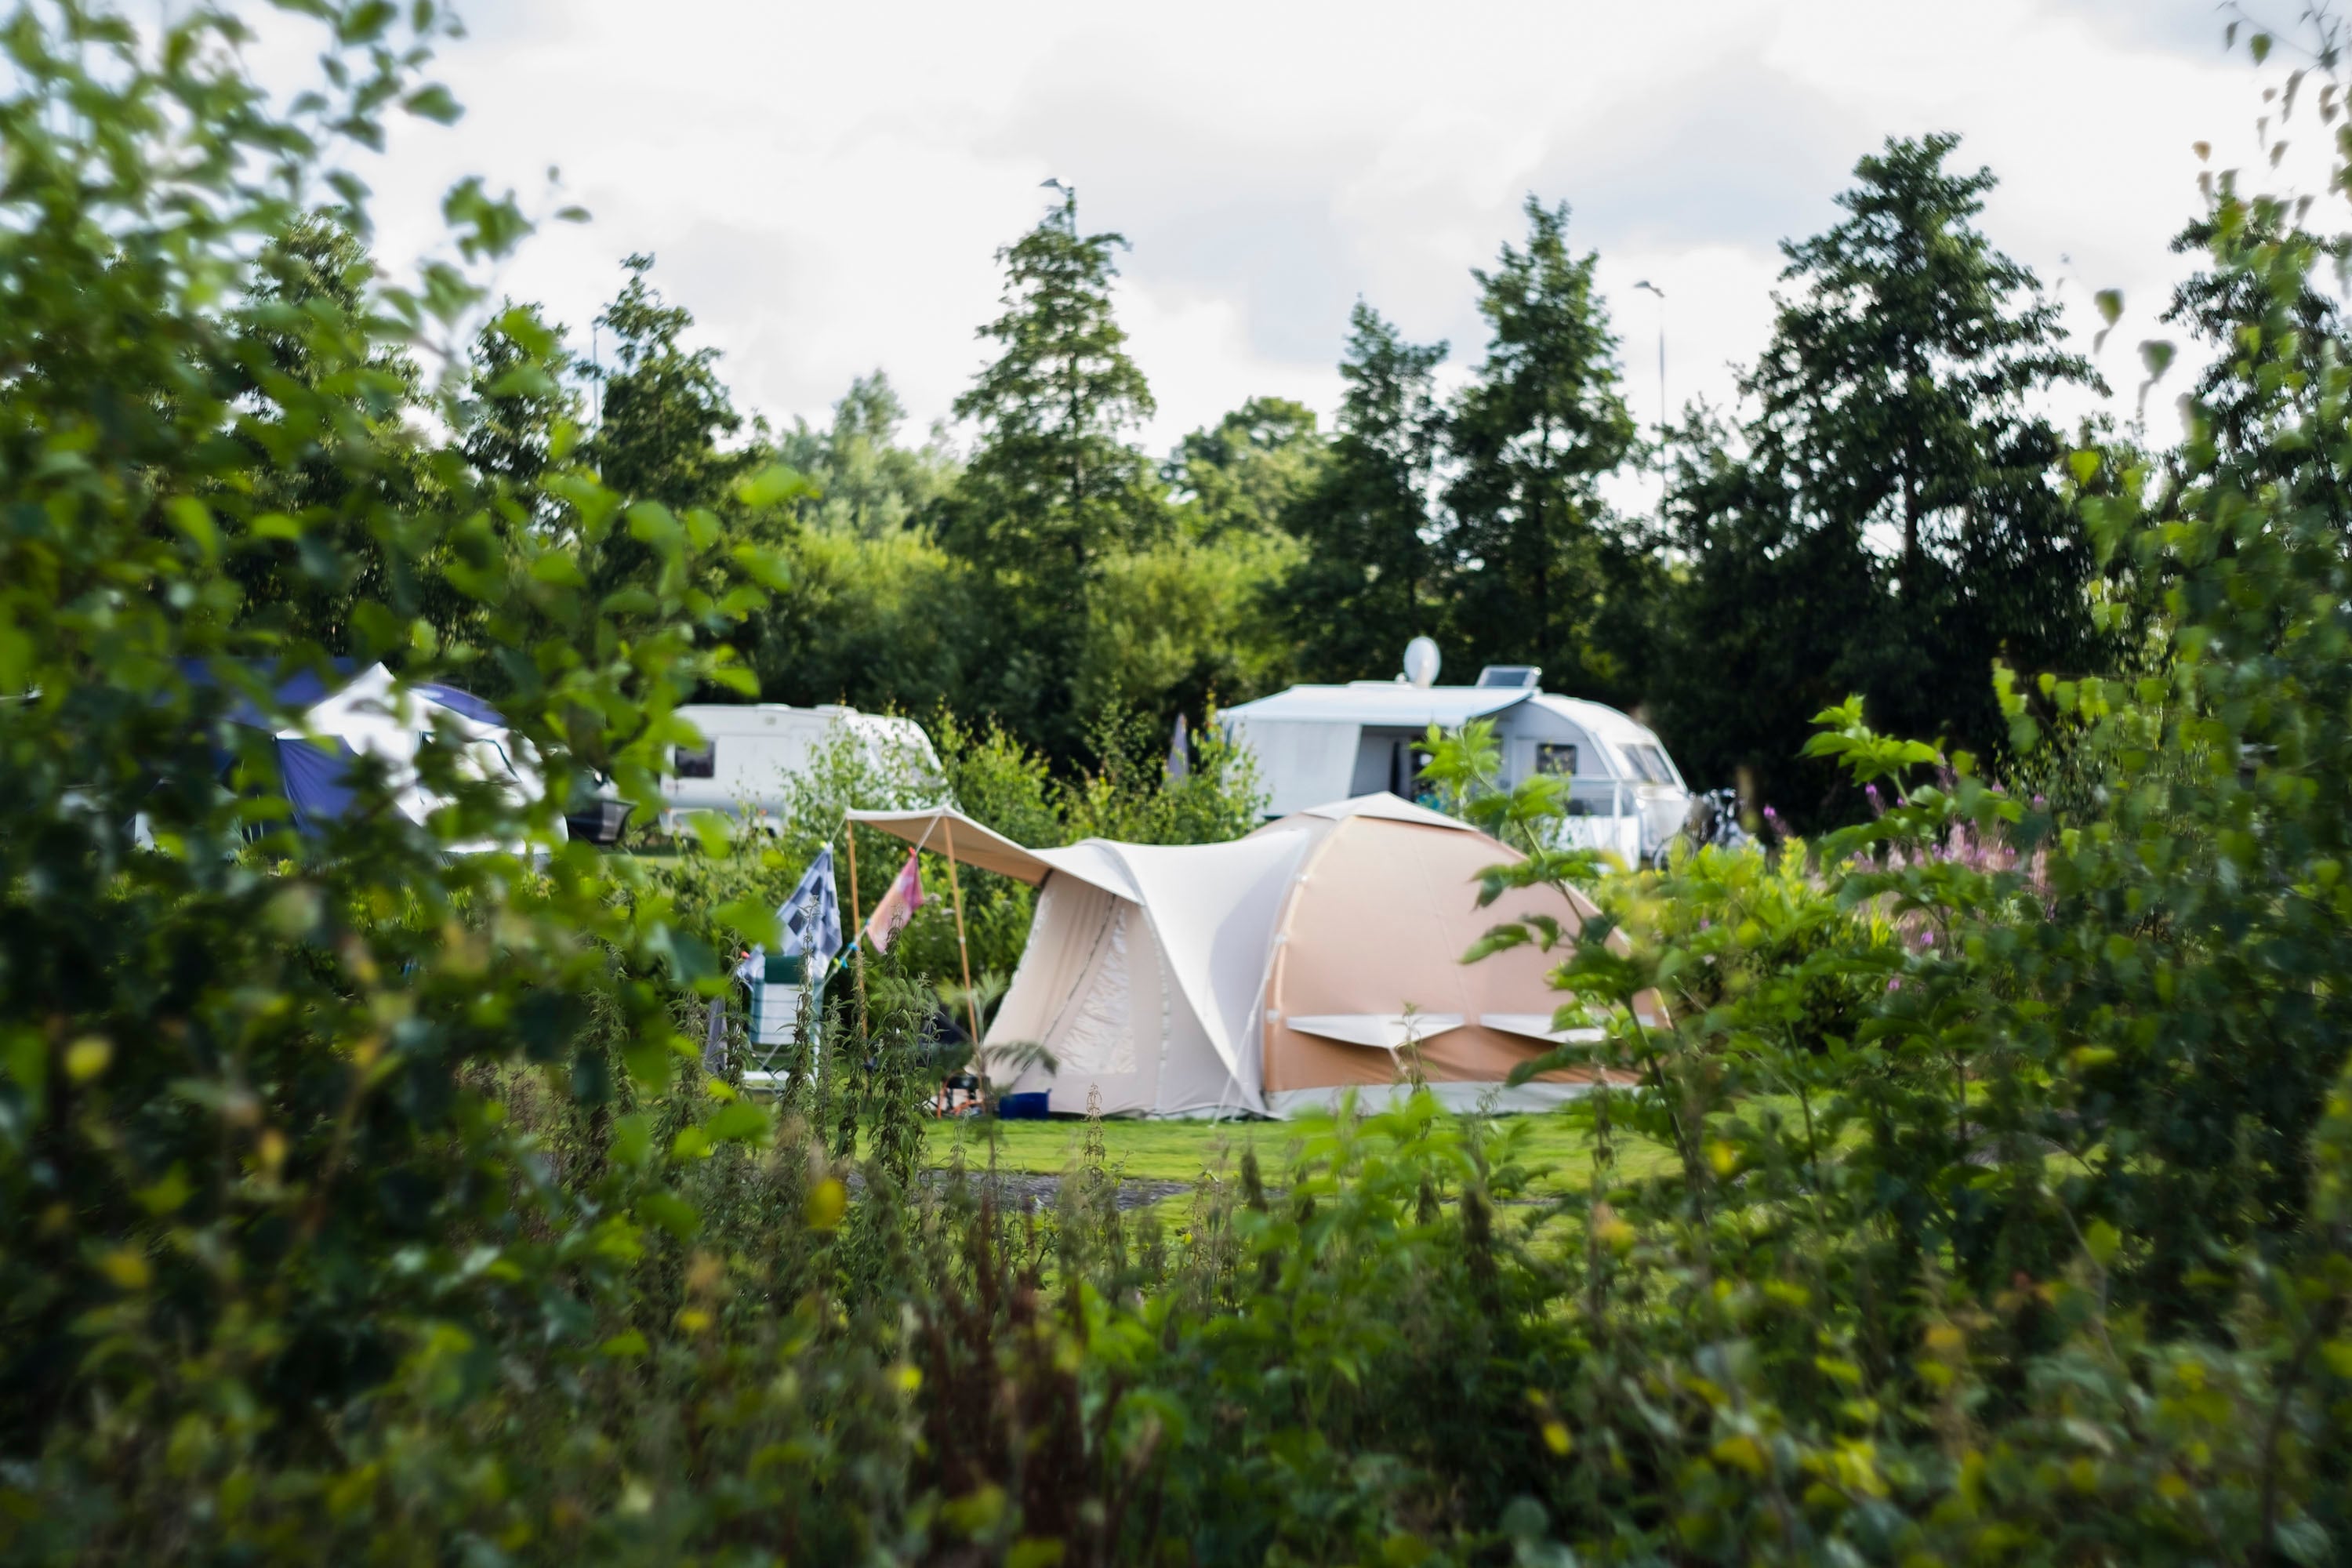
{"points": [[1185, 1151]]}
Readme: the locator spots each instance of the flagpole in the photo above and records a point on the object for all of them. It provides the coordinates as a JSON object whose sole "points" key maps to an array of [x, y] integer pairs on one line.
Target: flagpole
{"points": [[955, 890], [857, 922]]}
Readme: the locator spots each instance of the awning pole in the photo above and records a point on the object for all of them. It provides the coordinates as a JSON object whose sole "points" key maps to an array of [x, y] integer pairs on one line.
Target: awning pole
{"points": [[955, 892], [858, 923]]}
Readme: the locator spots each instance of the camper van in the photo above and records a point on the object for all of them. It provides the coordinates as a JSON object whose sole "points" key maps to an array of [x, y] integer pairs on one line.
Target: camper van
{"points": [[749, 750], [1315, 743]]}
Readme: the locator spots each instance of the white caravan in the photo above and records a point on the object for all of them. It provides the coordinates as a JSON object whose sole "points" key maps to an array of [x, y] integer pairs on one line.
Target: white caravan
{"points": [[748, 751], [1315, 743]]}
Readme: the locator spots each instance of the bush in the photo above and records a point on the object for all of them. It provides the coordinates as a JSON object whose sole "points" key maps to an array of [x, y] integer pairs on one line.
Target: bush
{"points": [[363, 1201]]}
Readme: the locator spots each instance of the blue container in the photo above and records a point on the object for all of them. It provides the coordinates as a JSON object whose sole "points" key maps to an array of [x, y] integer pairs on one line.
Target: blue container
{"points": [[1021, 1107]]}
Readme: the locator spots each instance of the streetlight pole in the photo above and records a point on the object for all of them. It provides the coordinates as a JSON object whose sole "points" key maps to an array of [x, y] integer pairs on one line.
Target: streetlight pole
{"points": [[1661, 293]]}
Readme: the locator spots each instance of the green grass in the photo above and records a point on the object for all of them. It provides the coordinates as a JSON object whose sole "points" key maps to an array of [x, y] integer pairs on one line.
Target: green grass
{"points": [[1185, 1151]]}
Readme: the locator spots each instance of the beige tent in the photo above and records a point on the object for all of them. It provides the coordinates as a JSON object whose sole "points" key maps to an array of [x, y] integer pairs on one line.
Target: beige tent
{"points": [[1271, 973]]}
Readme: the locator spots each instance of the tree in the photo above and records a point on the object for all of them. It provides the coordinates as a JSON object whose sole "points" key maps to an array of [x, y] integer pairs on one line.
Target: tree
{"points": [[1891, 482], [1054, 482], [1535, 550], [1240, 475], [1368, 581], [1755, 643], [342, 455], [519, 395], [1055, 485], [662, 416], [663, 409], [869, 484], [2218, 301]]}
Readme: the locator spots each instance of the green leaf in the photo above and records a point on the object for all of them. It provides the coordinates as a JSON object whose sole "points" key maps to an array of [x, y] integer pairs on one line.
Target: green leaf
{"points": [[776, 482], [670, 1213], [650, 522], [434, 103], [632, 1139], [194, 518], [752, 918], [741, 1122]]}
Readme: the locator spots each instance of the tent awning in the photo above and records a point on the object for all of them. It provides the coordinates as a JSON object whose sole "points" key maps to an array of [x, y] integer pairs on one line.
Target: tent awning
{"points": [[952, 833]]}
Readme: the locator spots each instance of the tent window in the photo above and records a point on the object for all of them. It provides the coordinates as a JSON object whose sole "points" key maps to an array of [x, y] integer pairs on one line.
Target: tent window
{"points": [[1561, 760], [700, 763]]}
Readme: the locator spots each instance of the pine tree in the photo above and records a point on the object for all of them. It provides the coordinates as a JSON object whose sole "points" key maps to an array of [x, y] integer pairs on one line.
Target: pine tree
{"points": [[1539, 555], [1369, 582], [1055, 481], [1054, 484], [1892, 508]]}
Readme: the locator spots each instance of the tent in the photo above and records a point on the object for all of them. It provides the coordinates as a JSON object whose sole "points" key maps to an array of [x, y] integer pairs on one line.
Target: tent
{"points": [[1270, 974], [374, 715]]}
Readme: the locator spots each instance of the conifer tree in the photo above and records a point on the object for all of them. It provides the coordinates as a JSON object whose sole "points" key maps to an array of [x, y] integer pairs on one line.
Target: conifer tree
{"points": [[1056, 480], [1370, 579], [1890, 520], [1536, 551], [1054, 484]]}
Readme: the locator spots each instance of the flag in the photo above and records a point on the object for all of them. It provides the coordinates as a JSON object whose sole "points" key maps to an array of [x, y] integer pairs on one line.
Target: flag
{"points": [[810, 918], [897, 906]]}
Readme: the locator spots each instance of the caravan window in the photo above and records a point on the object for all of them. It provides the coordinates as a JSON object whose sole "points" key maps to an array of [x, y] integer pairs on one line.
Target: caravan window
{"points": [[1555, 758], [699, 764], [1650, 764]]}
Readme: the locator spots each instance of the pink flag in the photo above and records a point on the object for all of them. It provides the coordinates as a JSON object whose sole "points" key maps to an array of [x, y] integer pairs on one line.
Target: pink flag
{"points": [[897, 906]]}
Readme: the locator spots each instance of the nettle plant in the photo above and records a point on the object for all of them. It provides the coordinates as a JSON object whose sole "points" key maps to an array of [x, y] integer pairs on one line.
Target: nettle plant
{"points": [[251, 1074]]}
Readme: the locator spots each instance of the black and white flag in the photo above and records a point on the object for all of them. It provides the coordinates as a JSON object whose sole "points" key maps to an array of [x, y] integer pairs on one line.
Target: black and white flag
{"points": [[811, 918]]}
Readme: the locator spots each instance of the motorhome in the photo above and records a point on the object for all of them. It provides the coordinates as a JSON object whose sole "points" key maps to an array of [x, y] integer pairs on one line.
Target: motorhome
{"points": [[1314, 744], [750, 750]]}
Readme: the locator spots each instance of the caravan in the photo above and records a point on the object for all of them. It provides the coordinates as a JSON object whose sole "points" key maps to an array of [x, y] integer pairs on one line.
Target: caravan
{"points": [[1315, 743], [749, 752]]}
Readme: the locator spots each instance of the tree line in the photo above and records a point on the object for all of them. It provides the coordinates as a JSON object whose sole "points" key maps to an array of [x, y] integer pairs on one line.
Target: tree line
{"points": [[1882, 512]]}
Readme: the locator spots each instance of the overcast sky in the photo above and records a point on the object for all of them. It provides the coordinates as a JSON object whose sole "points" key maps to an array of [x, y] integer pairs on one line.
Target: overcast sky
{"points": [[825, 186]]}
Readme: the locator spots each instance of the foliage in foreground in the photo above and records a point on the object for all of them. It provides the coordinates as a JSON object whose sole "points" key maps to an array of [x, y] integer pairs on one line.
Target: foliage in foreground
{"points": [[358, 1201]]}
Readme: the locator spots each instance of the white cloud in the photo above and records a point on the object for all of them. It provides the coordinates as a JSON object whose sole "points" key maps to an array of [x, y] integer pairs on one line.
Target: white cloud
{"points": [[825, 186]]}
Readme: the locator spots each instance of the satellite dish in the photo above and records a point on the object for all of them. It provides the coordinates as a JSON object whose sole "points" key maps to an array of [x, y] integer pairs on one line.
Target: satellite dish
{"points": [[1421, 662]]}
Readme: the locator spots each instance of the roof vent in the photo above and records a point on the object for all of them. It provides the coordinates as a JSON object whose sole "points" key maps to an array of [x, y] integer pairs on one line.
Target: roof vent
{"points": [[1516, 676]]}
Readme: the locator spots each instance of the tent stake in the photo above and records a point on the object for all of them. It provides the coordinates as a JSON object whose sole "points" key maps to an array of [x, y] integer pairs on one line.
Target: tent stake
{"points": [[955, 890]]}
